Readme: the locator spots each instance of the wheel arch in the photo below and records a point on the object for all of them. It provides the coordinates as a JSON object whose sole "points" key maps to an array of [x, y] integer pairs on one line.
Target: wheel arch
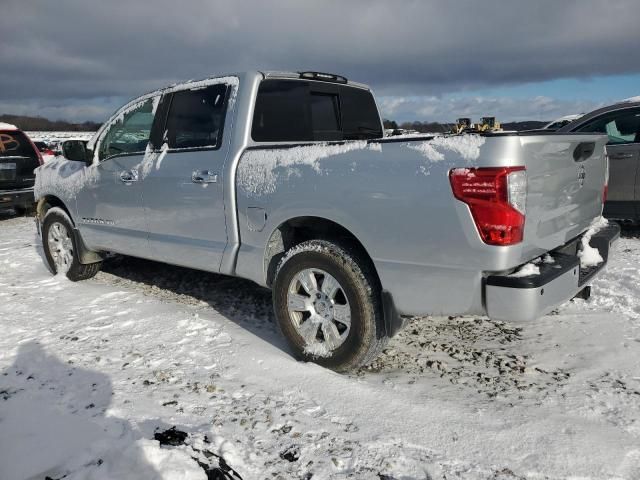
{"points": [[45, 203], [299, 229], [48, 201]]}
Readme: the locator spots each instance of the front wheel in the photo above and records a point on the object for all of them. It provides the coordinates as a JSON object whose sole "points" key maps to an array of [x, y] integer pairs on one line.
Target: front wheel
{"points": [[60, 247], [327, 304]]}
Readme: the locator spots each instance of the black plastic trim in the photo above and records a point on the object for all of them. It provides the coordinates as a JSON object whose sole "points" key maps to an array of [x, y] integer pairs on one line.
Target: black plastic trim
{"points": [[393, 322], [564, 262]]}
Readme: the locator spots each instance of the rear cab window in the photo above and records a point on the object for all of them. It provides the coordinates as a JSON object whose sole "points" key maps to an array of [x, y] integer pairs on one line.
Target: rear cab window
{"points": [[299, 111]]}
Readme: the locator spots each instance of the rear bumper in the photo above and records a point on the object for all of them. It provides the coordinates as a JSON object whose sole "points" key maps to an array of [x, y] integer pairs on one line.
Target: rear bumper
{"points": [[528, 298], [22, 197]]}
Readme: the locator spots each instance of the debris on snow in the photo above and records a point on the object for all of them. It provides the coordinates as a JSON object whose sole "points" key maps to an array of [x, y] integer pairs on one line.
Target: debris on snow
{"points": [[567, 384]]}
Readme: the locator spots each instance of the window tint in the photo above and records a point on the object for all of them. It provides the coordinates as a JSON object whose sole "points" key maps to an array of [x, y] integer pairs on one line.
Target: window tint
{"points": [[360, 119], [324, 115], [622, 127], [298, 111], [281, 113], [16, 144], [196, 117], [130, 133]]}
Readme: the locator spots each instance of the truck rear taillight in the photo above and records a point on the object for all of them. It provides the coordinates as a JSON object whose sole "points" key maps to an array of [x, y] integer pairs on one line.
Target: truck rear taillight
{"points": [[497, 198]]}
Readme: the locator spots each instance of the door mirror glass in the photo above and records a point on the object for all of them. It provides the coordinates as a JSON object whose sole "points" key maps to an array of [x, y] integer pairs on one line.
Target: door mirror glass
{"points": [[74, 150]]}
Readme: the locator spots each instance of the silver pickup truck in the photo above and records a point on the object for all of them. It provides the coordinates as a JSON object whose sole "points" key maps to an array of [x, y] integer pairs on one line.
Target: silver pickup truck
{"points": [[285, 179]]}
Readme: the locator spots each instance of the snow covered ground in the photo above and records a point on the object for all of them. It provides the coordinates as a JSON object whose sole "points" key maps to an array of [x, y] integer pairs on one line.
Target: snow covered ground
{"points": [[89, 372]]}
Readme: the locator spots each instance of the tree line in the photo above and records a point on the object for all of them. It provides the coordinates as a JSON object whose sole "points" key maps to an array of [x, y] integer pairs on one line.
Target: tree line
{"points": [[42, 124]]}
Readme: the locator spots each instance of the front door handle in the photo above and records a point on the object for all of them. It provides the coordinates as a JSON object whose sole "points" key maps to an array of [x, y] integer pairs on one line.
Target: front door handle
{"points": [[204, 176], [129, 176]]}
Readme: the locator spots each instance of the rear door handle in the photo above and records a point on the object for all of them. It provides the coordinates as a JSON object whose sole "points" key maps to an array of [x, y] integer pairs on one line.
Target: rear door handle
{"points": [[129, 176], [204, 176]]}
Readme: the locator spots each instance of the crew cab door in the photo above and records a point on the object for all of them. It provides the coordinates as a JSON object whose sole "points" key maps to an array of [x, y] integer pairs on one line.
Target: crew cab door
{"points": [[183, 189], [110, 211], [623, 129]]}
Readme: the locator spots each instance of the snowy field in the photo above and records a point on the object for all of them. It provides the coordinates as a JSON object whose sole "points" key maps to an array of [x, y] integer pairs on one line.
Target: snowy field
{"points": [[91, 372]]}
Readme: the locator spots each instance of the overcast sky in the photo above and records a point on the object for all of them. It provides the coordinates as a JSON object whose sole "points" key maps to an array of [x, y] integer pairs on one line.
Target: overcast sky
{"points": [[426, 60]]}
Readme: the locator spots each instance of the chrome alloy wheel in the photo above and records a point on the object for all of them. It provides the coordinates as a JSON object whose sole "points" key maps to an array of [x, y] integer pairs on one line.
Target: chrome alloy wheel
{"points": [[318, 308], [60, 247]]}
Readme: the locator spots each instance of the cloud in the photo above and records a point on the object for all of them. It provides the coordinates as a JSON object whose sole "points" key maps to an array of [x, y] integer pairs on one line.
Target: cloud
{"points": [[71, 50], [506, 109]]}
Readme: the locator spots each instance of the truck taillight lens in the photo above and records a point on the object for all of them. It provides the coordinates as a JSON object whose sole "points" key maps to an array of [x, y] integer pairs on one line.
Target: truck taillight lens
{"points": [[497, 199]]}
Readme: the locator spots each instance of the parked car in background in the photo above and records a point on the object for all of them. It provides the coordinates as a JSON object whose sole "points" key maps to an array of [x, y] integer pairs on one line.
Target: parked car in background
{"points": [[562, 121], [621, 122], [43, 148], [18, 159], [285, 179]]}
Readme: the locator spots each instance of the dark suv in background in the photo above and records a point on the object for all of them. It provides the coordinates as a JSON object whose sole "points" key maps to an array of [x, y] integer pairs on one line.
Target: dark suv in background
{"points": [[18, 158], [621, 122]]}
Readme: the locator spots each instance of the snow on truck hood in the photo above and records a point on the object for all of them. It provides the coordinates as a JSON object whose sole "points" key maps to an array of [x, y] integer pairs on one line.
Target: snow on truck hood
{"points": [[63, 178]]}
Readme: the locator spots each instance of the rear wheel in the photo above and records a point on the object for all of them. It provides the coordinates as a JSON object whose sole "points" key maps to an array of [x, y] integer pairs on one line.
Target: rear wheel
{"points": [[327, 303], [60, 247]]}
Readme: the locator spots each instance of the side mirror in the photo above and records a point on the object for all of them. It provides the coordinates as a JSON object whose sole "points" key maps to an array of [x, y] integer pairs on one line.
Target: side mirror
{"points": [[75, 150]]}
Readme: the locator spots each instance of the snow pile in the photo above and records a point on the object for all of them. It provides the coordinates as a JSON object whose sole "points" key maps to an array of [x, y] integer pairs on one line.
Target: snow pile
{"points": [[590, 256], [526, 270], [631, 100], [7, 126], [466, 146], [260, 169], [64, 178], [317, 349], [49, 136], [90, 371]]}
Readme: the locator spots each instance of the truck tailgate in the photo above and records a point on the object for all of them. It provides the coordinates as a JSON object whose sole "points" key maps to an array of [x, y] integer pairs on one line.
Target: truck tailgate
{"points": [[566, 177]]}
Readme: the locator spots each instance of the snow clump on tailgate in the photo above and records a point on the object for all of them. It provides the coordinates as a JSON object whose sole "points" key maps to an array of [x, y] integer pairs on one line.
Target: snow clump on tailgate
{"points": [[590, 256]]}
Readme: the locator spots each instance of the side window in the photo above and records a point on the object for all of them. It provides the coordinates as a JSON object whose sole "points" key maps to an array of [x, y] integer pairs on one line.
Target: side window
{"points": [[360, 117], [622, 127], [281, 113], [196, 117], [129, 133]]}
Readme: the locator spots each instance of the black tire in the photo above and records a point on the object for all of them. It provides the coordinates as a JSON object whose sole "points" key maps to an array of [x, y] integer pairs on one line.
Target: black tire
{"points": [[366, 336], [76, 271]]}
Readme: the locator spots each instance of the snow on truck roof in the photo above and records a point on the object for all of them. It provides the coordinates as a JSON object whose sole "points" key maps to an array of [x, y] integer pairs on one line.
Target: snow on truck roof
{"points": [[7, 126]]}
